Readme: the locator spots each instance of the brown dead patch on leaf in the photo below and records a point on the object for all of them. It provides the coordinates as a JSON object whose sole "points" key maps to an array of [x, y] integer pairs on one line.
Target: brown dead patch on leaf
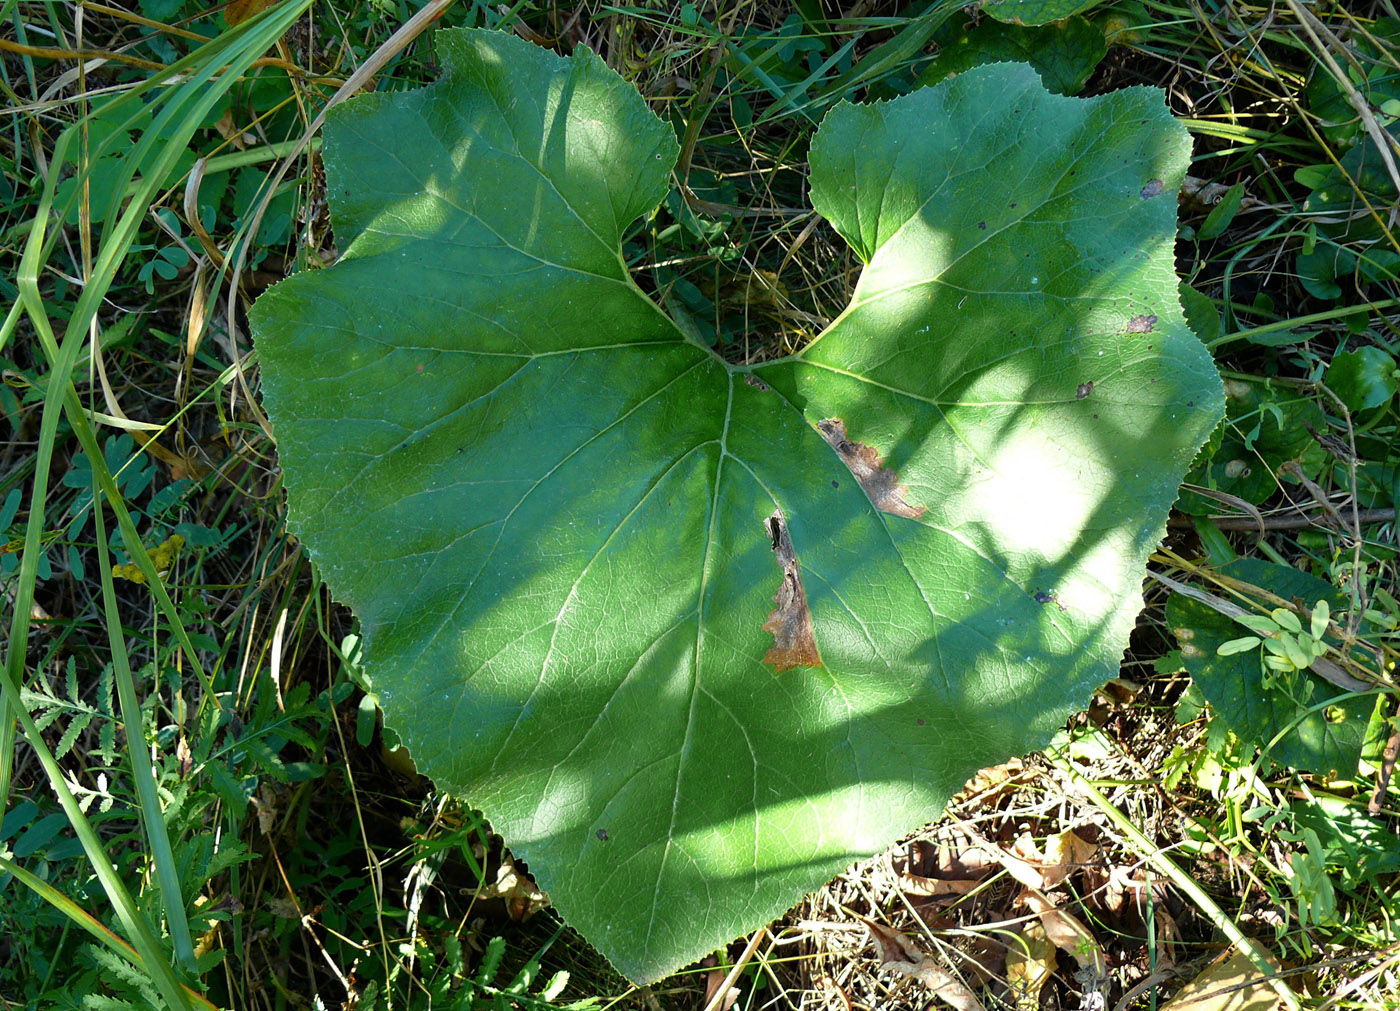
{"points": [[1142, 324], [794, 645], [880, 483]]}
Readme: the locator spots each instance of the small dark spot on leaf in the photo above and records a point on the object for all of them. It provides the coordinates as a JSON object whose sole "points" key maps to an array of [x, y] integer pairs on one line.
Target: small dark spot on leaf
{"points": [[602, 834], [1141, 324], [755, 382], [982, 225], [1095, 417], [920, 721], [1013, 203], [836, 484], [418, 367], [1041, 597], [1153, 187], [1084, 390], [1190, 403]]}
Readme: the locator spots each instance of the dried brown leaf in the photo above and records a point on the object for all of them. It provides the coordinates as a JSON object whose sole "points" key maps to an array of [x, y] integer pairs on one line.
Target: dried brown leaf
{"points": [[522, 896], [714, 979], [1230, 983], [1022, 870], [901, 955], [239, 11], [1065, 852], [1030, 964], [917, 884], [1068, 933]]}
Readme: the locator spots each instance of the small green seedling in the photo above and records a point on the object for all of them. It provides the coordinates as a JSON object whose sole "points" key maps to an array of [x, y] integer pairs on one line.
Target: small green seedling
{"points": [[1287, 648]]}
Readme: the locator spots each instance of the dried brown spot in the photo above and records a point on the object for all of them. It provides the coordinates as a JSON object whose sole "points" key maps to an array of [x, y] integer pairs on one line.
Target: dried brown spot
{"points": [[880, 483], [755, 382], [794, 645], [1084, 390], [1141, 324], [1153, 187]]}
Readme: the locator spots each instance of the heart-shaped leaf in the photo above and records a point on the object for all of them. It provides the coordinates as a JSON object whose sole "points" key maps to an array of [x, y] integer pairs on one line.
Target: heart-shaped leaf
{"points": [[693, 635]]}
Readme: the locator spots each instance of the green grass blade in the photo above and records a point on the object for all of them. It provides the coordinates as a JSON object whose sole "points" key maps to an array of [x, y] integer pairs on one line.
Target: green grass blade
{"points": [[142, 772]]}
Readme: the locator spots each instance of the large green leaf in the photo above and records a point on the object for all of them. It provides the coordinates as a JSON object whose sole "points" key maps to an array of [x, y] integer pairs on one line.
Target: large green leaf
{"points": [[564, 526]]}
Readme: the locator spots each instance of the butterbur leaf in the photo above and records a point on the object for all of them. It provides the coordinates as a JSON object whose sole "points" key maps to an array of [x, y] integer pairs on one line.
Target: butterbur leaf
{"points": [[574, 537]]}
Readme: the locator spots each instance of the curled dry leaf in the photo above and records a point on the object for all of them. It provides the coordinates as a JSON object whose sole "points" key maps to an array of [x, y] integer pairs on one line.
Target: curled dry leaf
{"points": [[521, 895], [1022, 870], [1168, 937], [1068, 933], [1064, 853], [903, 956], [714, 979], [1029, 963]]}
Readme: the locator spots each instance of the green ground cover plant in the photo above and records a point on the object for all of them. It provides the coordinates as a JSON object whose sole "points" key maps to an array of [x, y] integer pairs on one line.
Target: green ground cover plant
{"points": [[201, 803]]}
